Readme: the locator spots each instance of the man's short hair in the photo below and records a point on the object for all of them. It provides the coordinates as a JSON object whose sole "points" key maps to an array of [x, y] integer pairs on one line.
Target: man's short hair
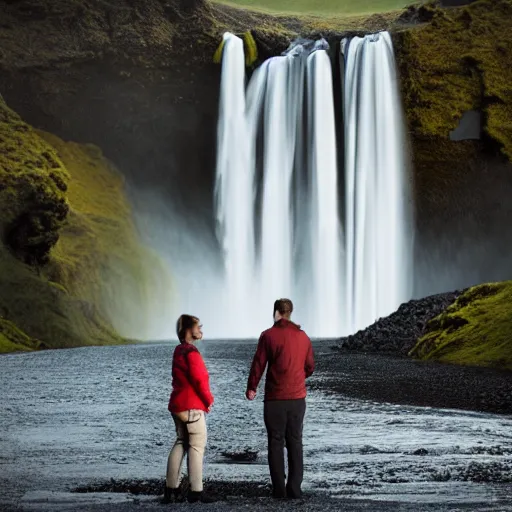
{"points": [[284, 306]]}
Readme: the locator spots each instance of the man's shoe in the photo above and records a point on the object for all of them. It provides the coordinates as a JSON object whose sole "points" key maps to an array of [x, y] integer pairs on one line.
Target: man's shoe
{"points": [[200, 497], [293, 495]]}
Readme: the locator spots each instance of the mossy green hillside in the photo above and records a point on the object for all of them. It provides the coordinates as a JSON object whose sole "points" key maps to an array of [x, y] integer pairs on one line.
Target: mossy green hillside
{"points": [[475, 330], [97, 274], [99, 256], [48, 316], [33, 183], [34, 312], [459, 61], [13, 339]]}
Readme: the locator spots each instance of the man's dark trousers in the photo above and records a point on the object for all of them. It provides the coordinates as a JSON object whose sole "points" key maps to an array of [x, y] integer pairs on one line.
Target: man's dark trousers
{"points": [[284, 420]]}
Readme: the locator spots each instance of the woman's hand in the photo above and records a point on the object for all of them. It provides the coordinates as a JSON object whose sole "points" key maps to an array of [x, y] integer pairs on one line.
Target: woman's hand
{"points": [[210, 407]]}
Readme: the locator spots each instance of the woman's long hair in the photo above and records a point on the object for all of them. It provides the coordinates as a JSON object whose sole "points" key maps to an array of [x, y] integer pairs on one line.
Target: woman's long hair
{"points": [[184, 323]]}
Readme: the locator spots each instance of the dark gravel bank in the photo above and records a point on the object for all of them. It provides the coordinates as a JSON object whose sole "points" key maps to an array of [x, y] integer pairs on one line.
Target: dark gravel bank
{"points": [[398, 333], [219, 490], [251, 496], [400, 380]]}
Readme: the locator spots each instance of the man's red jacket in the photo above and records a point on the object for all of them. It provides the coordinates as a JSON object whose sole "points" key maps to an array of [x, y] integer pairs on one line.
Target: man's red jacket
{"points": [[289, 354], [190, 381]]}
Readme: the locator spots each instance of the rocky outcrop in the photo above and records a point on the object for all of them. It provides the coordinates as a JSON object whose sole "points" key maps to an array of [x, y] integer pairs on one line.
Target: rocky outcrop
{"points": [[399, 332], [33, 183]]}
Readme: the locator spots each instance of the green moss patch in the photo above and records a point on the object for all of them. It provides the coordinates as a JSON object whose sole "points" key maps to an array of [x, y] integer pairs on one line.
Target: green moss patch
{"points": [[459, 61], [47, 313], [13, 339], [475, 330], [33, 183]]}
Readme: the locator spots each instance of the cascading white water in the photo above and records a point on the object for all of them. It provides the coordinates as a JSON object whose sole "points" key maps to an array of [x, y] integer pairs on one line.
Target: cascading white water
{"points": [[276, 227], [283, 104], [299, 251], [234, 191], [326, 250], [378, 237]]}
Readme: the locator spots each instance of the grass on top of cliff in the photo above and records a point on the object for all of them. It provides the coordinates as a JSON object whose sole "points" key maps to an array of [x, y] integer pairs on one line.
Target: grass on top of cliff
{"points": [[475, 330], [319, 7]]}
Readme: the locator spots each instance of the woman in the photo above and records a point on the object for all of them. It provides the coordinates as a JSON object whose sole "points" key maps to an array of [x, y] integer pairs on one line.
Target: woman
{"points": [[190, 400]]}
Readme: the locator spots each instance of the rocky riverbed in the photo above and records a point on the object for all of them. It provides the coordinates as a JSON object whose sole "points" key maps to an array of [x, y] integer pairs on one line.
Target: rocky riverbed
{"points": [[87, 429]]}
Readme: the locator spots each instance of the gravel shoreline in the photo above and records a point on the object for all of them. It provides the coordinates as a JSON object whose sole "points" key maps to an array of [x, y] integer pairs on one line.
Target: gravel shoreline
{"points": [[399, 380], [379, 355]]}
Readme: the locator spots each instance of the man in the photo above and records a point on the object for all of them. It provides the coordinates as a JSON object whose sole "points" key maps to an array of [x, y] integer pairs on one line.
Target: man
{"points": [[289, 354]]}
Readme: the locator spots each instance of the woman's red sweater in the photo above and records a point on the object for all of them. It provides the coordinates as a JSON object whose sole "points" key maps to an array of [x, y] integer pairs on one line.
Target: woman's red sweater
{"points": [[190, 381]]}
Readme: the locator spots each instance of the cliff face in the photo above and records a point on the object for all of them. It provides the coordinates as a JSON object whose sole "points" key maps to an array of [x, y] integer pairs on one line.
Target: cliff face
{"points": [[136, 78], [459, 63], [75, 273]]}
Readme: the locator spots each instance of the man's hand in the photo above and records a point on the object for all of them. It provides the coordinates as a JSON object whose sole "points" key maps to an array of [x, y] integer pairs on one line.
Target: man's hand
{"points": [[250, 394], [210, 407]]}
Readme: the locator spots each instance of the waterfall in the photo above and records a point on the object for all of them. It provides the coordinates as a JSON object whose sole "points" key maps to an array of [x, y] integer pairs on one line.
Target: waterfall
{"points": [[326, 251], [234, 191], [378, 235], [277, 199], [283, 106], [276, 227]]}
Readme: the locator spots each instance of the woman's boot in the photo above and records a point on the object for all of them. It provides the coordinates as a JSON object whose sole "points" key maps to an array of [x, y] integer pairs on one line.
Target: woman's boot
{"points": [[170, 495]]}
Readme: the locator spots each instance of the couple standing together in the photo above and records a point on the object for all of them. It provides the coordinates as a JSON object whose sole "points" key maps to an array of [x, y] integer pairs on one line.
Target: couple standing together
{"points": [[288, 353]]}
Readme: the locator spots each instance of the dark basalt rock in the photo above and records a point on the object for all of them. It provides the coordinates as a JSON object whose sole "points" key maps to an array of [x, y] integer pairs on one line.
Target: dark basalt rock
{"points": [[399, 332], [420, 451], [418, 14], [247, 455]]}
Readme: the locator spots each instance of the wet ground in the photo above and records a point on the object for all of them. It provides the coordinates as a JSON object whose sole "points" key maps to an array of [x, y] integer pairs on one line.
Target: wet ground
{"points": [[97, 418]]}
